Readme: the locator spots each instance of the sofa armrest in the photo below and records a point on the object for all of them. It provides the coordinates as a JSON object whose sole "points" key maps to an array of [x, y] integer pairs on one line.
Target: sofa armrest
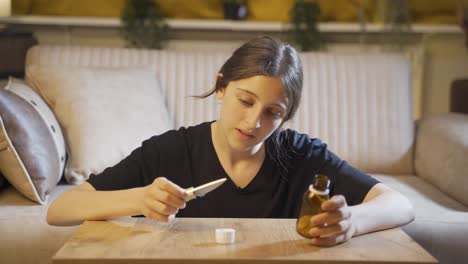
{"points": [[441, 155]]}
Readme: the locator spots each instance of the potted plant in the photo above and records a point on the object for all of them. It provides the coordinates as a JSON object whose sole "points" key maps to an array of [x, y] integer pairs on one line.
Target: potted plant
{"points": [[304, 18], [143, 25], [397, 22]]}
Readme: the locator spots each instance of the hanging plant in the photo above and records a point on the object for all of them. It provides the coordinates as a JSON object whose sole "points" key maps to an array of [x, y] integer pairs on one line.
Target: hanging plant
{"points": [[304, 18], [143, 25], [397, 22]]}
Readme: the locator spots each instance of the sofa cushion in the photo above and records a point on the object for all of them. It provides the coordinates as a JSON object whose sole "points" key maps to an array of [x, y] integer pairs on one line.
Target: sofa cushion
{"points": [[430, 204], [442, 151], [105, 112], [446, 241], [360, 104], [25, 235], [32, 152], [441, 223]]}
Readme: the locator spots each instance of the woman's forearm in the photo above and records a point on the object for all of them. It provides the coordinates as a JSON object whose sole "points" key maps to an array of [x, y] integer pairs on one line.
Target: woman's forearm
{"points": [[382, 208], [80, 204]]}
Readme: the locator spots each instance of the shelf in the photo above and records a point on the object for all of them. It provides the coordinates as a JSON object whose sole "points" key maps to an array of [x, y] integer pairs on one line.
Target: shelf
{"points": [[218, 25]]}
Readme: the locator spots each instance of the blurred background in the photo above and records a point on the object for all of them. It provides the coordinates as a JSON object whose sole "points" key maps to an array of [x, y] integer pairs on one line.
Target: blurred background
{"points": [[432, 33]]}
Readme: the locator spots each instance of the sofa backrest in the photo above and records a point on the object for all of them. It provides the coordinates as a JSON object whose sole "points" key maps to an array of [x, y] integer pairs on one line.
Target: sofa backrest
{"points": [[359, 104]]}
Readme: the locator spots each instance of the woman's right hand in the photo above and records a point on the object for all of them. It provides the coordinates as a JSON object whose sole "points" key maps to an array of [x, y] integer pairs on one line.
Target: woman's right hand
{"points": [[162, 199]]}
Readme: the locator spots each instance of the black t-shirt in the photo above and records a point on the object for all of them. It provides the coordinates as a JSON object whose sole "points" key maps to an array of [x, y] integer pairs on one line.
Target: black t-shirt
{"points": [[187, 157]]}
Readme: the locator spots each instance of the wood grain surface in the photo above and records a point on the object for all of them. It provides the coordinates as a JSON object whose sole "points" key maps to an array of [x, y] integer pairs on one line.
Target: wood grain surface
{"points": [[192, 240]]}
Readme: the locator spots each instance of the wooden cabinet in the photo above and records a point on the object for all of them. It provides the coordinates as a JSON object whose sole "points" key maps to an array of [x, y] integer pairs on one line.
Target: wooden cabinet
{"points": [[13, 47]]}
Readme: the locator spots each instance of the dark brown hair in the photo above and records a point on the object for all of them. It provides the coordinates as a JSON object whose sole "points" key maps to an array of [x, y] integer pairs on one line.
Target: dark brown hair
{"points": [[269, 57]]}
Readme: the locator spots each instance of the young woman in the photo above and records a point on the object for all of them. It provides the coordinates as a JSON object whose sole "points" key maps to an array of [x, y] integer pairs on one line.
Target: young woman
{"points": [[268, 169]]}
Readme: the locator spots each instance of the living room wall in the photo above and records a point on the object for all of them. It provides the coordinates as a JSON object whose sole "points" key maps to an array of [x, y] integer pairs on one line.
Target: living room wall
{"points": [[422, 11], [438, 57]]}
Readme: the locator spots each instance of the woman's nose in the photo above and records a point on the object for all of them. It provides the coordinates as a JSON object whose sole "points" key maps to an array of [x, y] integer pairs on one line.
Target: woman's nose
{"points": [[254, 118]]}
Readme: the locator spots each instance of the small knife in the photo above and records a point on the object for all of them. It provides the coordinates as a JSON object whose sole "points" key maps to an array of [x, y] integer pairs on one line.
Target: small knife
{"points": [[194, 192]]}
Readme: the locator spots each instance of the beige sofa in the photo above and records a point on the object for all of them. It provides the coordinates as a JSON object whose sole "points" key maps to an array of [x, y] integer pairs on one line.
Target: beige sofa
{"points": [[360, 104]]}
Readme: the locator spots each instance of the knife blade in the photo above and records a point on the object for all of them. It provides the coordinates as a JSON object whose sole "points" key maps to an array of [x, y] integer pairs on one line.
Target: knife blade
{"points": [[202, 190]]}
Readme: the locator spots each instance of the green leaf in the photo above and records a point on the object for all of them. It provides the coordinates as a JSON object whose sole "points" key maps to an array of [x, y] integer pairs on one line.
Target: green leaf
{"points": [[143, 25]]}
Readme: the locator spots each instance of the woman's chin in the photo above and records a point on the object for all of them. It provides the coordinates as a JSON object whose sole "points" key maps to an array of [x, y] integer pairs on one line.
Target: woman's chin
{"points": [[242, 145]]}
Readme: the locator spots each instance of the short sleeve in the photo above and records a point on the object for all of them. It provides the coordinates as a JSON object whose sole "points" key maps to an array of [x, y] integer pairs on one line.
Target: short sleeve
{"points": [[346, 180], [136, 170]]}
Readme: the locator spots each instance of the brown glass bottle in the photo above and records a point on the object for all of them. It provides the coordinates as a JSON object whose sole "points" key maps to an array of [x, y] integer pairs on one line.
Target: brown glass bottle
{"points": [[311, 203]]}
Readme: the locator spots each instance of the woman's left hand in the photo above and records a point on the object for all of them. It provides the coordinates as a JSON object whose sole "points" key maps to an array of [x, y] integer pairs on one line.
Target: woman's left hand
{"points": [[333, 226]]}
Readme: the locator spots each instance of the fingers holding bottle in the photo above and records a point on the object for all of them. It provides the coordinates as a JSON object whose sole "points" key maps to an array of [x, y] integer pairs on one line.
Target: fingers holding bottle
{"points": [[334, 225]]}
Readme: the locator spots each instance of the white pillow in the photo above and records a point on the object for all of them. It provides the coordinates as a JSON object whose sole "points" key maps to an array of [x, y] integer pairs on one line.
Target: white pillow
{"points": [[105, 113]]}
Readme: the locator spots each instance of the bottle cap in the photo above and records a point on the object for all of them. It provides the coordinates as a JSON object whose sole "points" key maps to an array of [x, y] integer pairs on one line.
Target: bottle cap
{"points": [[320, 185], [321, 182], [225, 235]]}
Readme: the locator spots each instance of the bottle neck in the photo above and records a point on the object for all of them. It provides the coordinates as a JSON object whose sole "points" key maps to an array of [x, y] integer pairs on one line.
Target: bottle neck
{"points": [[318, 192]]}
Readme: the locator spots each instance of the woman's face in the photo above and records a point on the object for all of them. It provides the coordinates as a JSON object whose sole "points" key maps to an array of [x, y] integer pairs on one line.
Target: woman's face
{"points": [[252, 109]]}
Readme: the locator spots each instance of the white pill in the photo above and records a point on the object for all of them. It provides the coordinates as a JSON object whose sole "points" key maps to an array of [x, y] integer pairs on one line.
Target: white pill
{"points": [[225, 235]]}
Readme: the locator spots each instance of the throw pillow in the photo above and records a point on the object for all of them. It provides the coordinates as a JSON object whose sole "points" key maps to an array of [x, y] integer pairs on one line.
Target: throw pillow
{"points": [[32, 149], [105, 112]]}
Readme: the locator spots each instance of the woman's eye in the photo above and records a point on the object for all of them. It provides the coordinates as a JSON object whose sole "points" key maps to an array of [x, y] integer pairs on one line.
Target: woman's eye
{"points": [[275, 114], [244, 102]]}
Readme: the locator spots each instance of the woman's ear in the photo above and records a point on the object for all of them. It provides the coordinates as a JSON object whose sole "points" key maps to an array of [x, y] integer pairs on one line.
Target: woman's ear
{"points": [[219, 91]]}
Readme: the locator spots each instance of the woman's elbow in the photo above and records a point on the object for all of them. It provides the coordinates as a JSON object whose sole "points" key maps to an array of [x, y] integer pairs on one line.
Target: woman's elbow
{"points": [[409, 212], [61, 212], [56, 216], [406, 209], [52, 217]]}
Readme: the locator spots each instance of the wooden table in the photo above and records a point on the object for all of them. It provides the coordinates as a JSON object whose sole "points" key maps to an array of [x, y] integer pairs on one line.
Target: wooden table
{"points": [[192, 240]]}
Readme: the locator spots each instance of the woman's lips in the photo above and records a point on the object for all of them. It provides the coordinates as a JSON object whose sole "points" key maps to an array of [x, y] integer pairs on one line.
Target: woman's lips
{"points": [[243, 135]]}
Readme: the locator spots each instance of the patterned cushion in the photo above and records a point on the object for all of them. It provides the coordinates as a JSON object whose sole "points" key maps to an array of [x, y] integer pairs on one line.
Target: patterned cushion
{"points": [[32, 148]]}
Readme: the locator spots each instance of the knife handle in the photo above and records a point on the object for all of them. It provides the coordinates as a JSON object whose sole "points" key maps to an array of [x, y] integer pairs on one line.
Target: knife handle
{"points": [[190, 193]]}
